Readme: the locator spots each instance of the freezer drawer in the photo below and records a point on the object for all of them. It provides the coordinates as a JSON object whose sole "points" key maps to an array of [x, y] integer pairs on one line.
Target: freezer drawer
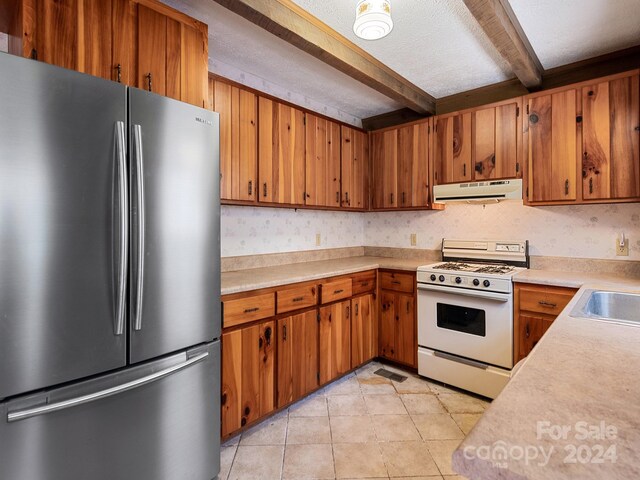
{"points": [[156, 421]]}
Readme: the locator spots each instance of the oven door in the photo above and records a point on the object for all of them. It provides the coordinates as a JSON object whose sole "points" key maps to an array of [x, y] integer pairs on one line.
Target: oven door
{"points": [[477, 325]]}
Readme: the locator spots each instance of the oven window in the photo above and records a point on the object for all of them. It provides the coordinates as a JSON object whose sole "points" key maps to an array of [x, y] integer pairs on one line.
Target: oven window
{"points": [[462, 319]]}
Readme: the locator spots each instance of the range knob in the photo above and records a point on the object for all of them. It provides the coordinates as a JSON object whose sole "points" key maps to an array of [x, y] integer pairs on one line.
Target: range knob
{"points": [[433, 277], [441, 278], [486, 283], [458, 280], [476, 282]]}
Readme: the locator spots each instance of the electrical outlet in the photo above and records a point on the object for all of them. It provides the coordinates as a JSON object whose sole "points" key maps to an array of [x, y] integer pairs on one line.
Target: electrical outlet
{"points": [[318, 239], [622, 250], [413, 239]]}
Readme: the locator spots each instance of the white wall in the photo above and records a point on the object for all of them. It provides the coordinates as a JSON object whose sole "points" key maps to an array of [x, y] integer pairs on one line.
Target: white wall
{"points": [[252, 230], [566, 231], [587, 231], [4, 42]]}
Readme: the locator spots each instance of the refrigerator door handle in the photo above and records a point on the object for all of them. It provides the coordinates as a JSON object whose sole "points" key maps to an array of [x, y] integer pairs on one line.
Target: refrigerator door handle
{"points": [[74, 402], [137, 139], [124, 228]]}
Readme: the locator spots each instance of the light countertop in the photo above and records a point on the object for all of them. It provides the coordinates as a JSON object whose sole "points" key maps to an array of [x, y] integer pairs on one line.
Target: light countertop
{"points": [[256, 278], [582, 370], [572, 279]]}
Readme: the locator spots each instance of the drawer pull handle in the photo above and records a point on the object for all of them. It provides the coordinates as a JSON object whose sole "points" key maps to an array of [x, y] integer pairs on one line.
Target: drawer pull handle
{"points": [[547, 304], [250, 310], [298, 299], [335, 292], [364, 284], [395, 282]]}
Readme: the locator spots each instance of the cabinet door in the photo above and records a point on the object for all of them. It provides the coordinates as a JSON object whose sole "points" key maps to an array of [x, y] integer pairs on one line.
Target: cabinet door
{"points": [[95, 38], [387, 330], [238, 141], [335, 340], [508, 140], [258, 372], [624, 98], [281, 150], [193, 65], [406, 151], [56, 39], [484, 143], [123, 48], [322, 162], [152, 50], [297, 356], [405, 326], [609, 139], [231, 391], [452, 149], [364, 342], [532, 328], [355, 169], [384, 156], [552, 147]]}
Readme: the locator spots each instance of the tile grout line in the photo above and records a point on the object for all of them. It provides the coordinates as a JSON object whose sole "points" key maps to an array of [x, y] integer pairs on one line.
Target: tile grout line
{"points": [[284, 447]]}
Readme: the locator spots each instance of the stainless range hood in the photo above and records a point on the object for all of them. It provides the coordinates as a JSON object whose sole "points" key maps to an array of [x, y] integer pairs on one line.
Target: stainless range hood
{"points": [[491, 191]]}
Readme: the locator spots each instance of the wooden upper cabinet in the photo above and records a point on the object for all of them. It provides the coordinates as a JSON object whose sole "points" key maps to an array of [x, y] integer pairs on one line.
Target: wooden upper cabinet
{"points": [[119, 40], [583, 142], [610, 157], [384, 160], [238, 109], [413, 165], [281, 153], [552, 146], [452, 149], [355, 169], [172, 57], [322, 162]]}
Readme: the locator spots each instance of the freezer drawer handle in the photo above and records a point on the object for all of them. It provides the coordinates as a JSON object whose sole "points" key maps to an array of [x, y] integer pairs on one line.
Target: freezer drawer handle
{"points": [[464, 361], [74, 402], [137, 138], [124, 228]]}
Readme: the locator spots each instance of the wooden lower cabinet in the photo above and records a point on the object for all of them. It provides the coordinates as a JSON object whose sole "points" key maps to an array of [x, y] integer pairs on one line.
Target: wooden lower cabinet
{"points": [[297, 356], [364, 331], [398, 340], [535, 309], [248, 375], [335, 340]]}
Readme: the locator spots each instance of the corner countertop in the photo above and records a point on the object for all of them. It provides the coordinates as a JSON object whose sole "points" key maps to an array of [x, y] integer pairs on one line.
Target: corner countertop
{"points": [[581, 377], [256, 278], [572, 279]]}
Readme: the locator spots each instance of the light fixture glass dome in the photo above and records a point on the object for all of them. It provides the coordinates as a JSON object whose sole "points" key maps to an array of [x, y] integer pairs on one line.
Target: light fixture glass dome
{"points": [[373, 19]]}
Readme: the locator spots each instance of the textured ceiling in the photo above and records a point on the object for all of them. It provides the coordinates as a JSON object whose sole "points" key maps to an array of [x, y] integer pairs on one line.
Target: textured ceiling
{"points": [[436, 44], [567, 31], [241, 44]]}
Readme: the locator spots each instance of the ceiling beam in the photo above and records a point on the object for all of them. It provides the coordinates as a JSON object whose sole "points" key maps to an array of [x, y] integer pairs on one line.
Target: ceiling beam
{"points": [[503, 29], [296, 26], [391, 119]]}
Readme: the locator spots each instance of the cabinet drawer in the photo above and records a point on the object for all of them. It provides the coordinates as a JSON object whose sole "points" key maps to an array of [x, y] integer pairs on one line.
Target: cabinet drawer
{"points": [[364, 282], [296, 298], [400, 282], [549, 301], [248, 309], [336, 290]]}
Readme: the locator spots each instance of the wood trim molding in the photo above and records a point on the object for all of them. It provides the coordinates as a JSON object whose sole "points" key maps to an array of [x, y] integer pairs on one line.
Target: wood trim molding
{"points": [[294, 25], [391, 119], [502, 27]]}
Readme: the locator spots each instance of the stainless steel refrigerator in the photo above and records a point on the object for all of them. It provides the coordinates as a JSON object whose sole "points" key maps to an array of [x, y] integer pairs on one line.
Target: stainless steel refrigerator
{"points": [[109, 280]]}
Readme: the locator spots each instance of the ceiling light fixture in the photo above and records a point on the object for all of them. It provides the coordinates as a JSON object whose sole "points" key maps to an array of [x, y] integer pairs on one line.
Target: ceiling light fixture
{"points": [[373, 19]]}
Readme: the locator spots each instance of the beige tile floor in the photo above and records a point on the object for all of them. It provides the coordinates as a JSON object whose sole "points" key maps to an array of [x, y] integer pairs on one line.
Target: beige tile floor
{"points": [[361, 426]]}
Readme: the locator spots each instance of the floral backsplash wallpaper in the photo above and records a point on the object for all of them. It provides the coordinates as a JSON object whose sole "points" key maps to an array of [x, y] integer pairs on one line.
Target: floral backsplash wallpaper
{"points": [[588, 231], [254, 231]]}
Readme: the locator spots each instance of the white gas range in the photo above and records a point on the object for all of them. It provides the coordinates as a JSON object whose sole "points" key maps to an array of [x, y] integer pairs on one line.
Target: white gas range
{"points": [[465, 314]]}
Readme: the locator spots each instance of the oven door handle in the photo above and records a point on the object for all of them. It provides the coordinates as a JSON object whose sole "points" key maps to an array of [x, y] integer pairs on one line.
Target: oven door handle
{"points": [[498, 297]]}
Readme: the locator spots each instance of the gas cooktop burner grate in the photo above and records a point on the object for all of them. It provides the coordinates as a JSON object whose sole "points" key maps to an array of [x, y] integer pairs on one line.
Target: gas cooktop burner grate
{"points": [[497, 268]]}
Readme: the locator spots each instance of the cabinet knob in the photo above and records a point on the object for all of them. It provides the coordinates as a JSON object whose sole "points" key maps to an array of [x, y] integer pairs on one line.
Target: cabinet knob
{"points": [[264, 189], [149, 79], [250, 187], [119, 73]]}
